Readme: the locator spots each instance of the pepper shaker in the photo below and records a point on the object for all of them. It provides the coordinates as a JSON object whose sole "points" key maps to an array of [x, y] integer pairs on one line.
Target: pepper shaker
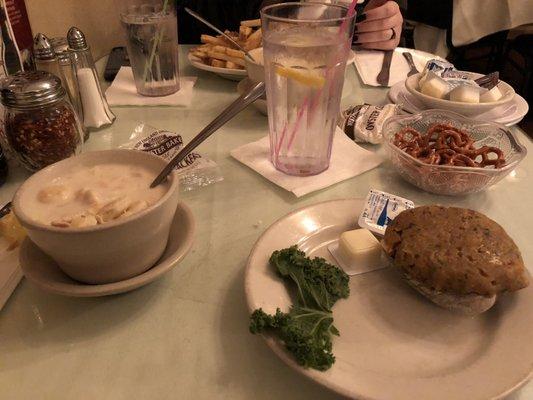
{"points": [[68, 76], [45, 57], [96, 111]]}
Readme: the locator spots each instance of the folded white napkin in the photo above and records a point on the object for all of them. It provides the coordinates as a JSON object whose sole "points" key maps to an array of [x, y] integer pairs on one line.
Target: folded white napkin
{"points": [[122, 92], [347, 160], [369, 62]]}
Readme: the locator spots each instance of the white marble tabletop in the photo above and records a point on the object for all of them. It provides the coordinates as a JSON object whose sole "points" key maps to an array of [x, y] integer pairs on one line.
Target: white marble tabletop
{"points": [[186, 335]]}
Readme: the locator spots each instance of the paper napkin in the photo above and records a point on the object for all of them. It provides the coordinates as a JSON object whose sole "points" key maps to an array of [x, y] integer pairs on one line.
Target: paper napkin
{"points": [[369, 62], [347, 160], [122, 92]]}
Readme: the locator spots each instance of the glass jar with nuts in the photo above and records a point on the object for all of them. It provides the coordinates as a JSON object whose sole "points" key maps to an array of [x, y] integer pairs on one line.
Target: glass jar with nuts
{"points": [[41, 127]]}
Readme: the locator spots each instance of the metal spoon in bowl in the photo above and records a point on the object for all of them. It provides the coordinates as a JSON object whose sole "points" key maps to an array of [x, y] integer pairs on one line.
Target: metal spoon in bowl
{"points": [[209, 24], [5, 210], [233, 109]]}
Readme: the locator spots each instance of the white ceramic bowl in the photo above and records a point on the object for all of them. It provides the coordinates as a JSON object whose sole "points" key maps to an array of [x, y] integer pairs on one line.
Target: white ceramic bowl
{"points": [[468, 109], [255, 69], [110, 252], [260, 104]]}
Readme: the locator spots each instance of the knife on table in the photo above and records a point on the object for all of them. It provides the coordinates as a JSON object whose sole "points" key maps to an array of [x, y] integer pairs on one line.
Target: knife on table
{"points": [[383, 76]]}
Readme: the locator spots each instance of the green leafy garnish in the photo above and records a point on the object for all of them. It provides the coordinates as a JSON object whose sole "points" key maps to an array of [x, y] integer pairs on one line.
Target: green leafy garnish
{"points": [[307, 329], [318, 284]]}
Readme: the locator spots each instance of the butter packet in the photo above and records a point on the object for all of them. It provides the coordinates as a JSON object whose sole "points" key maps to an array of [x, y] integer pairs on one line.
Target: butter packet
{"points": [[364, 122], [439, 66], [380, 209], [358, 252], [194, 171]]}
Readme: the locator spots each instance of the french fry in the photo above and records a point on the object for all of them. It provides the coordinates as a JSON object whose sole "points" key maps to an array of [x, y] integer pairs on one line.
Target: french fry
{"points": [[199, 54], [219, 52], [212, 40], [219, 49], [252, 23], [232, 65], [218, 63], [244, 32], [235, 53], [225, 57], [254, 41]]}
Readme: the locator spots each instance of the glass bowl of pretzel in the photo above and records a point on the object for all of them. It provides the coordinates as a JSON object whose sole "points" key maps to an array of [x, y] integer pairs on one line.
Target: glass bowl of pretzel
{"points": [[445, 153]]}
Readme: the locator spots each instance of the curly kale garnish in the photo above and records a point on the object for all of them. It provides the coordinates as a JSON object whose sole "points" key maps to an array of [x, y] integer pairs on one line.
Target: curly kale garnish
{"points": [[307, 329], [318, 284], [305, 332]]}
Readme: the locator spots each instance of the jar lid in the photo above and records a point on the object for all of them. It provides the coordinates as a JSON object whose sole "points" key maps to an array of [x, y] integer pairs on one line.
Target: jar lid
{"points": [[42, 48], [27, 90], [76, 39], [60, 46]]}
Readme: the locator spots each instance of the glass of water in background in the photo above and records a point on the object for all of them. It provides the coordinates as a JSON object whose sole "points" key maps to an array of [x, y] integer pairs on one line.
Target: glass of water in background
{"points": [[152, 42], [305, 47]]}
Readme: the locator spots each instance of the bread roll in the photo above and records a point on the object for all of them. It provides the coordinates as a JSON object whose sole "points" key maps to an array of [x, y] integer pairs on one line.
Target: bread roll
{"points": [[458, 258]]}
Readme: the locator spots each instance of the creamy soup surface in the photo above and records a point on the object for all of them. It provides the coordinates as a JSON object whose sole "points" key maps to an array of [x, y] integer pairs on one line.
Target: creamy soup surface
{"points": [[87, 196]]}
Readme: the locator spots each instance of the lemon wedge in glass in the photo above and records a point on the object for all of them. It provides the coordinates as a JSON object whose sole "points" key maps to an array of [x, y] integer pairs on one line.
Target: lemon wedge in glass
{"points": [[302, 76]]}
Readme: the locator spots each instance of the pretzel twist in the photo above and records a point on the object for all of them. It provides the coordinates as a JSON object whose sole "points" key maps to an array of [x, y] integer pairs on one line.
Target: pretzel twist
{"points": [[445, 144]]}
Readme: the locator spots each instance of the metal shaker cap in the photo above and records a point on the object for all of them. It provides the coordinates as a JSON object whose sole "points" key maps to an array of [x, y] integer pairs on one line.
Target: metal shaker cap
{"points": [[28, 90], [76, 39], [42, 48], [60, 46]]}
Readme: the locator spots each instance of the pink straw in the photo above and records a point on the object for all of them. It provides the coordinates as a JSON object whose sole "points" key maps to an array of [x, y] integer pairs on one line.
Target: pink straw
{"points": [[313, 104]]}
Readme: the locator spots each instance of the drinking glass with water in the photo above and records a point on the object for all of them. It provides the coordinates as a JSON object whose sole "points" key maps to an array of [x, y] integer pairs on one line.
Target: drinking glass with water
{"points": [[152, 42], [305, 48]]}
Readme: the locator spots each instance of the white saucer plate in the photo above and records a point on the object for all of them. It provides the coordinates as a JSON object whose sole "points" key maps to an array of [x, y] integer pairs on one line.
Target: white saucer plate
{"points": [[41, 270], [393, 343], [509, 114]]}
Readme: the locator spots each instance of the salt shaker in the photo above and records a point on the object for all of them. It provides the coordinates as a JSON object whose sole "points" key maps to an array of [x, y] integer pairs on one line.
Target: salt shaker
{"points": [[96, 112]]}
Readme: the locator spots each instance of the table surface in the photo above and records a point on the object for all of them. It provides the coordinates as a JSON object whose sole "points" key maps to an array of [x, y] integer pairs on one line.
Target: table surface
{"points": [[186, 335]]}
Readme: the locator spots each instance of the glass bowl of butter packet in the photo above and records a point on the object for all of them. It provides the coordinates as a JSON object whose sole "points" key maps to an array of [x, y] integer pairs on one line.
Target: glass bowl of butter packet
{"points": [[452, 180]]}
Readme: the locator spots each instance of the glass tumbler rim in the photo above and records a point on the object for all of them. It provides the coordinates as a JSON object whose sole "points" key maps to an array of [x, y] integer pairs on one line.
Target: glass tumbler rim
{"points": [[265, 15]]}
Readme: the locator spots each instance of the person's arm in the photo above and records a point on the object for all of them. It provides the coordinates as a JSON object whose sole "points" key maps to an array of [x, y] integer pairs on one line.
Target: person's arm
{"points": [[380, 25]]}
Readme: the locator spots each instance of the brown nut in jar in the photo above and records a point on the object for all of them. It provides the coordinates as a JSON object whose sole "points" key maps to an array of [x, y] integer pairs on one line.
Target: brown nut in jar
{"points": [[41, 126], [43, 137]]}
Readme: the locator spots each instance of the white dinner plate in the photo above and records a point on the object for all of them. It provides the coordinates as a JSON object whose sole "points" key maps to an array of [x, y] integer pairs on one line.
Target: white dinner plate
{"points": [[236, 74], [394, 344], [508, 115], [41, 270], [227, 73]]}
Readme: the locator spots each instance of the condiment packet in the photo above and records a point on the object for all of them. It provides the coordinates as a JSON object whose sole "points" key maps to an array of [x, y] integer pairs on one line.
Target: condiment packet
{"points": [[489, 81], [364, 122], [438, 66], [194, 171], [380, 209], [447, 71], [355, 269]]}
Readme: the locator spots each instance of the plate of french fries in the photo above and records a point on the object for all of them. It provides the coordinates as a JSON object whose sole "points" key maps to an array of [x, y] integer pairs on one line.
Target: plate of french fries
{"points": [[217, 54]]}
